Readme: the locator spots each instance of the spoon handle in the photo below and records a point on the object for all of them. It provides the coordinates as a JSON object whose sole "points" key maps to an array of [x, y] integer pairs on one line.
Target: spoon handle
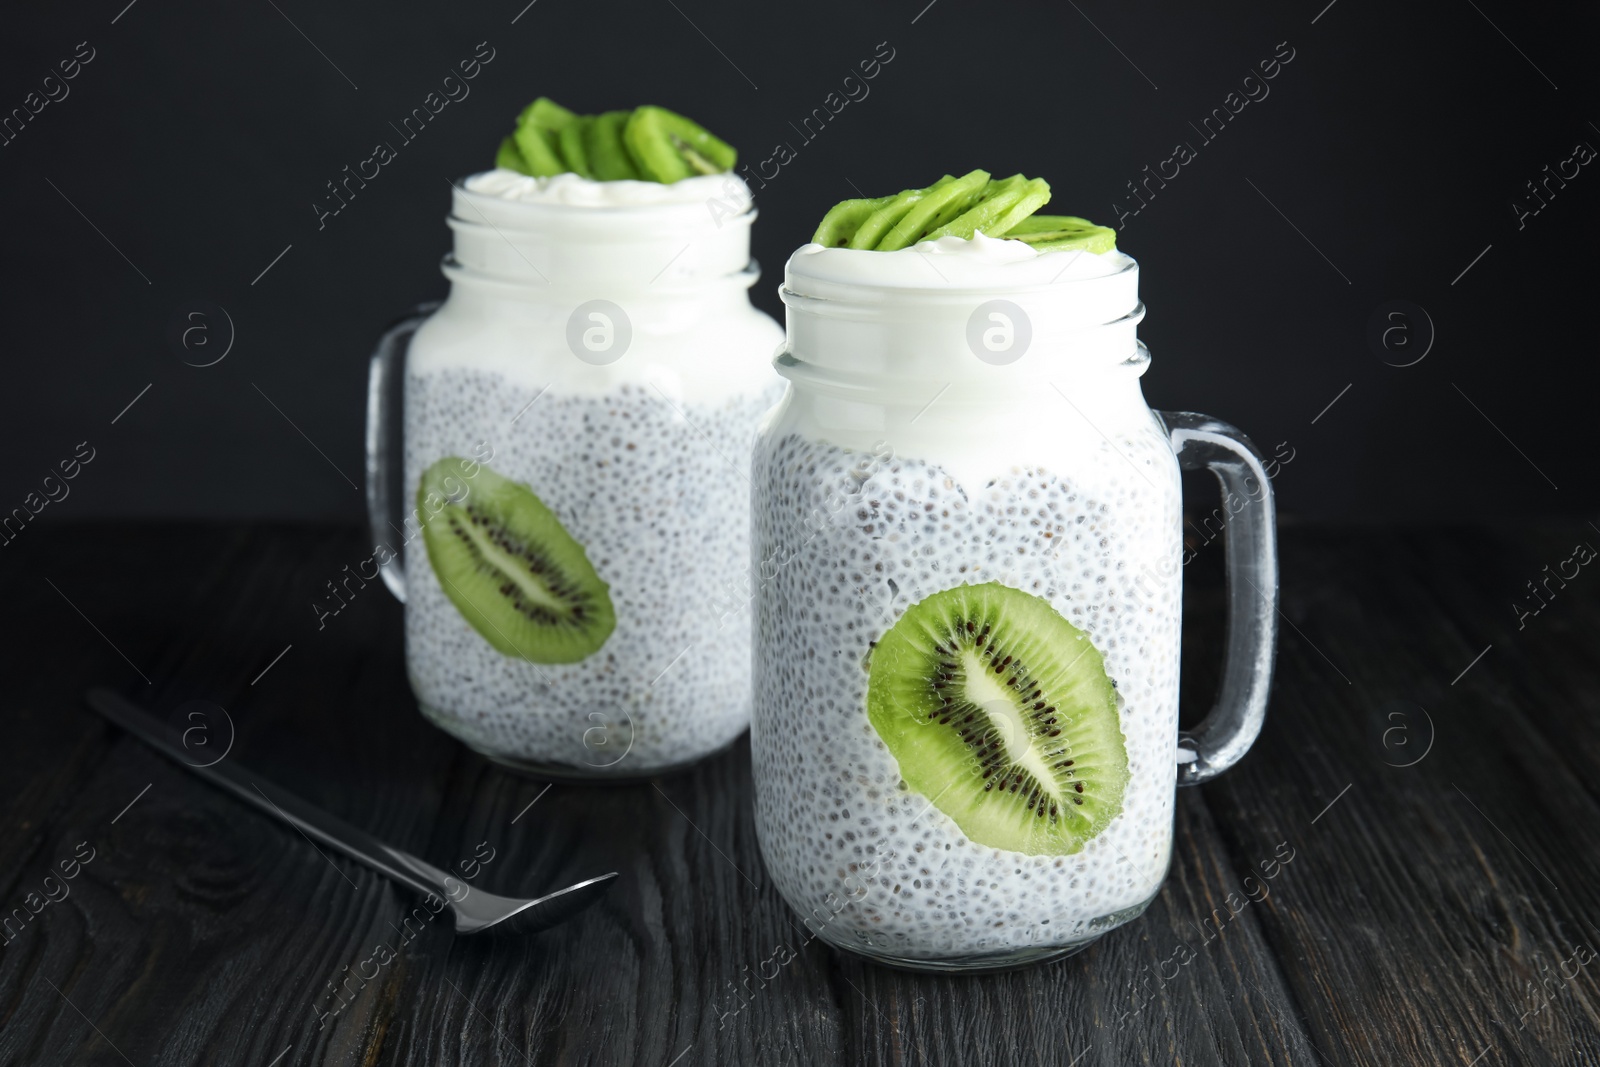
{"points": [[316, 824]]}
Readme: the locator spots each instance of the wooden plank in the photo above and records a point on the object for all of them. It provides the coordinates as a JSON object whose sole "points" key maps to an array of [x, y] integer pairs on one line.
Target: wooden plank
{"points": [[66, 597], [1406, 928], [194, 905], [1420, 906]]}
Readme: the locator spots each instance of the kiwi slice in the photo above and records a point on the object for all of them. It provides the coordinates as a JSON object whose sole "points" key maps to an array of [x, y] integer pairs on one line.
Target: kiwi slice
{"points": [[1000, 712], [961, 207], [1061, 233], [1001, 205], [668, 147], [893, 209], [536, 136], [645, 144], [890, 211], [510, 157], [572, 140], [944, 202], [510, 567], [608, 155], [842, 221]]}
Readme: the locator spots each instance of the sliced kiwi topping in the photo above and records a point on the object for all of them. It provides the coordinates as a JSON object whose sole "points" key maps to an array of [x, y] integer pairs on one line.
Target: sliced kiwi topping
{"points": [[608, 155], [944, 202], [884, 224], [961, 207], [667, 147], [1000, 712], [537, 136], [844, 219], [509, 157], [510, 567], [573, 143], [1000, 206], [645, 144], [1062, 233]]}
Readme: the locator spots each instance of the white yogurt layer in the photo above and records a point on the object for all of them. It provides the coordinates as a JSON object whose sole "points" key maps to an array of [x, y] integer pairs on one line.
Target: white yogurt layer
{"points": [[578, 191], [902, 323]]}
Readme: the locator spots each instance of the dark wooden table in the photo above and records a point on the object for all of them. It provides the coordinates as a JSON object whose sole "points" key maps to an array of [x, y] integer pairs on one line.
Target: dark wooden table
{"points": [[1438, 913]]}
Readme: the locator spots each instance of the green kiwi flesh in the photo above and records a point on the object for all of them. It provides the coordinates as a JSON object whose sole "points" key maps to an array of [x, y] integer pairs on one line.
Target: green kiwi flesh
{"points": [[843, 221], [667, 147], [890, 211], [509, 156], [573, 142], [645, 144], [537, 136], [1001, 206], [510, 567], [1000, 712], [943, 202], [961, 207], [1062, 233], [608, 154]]}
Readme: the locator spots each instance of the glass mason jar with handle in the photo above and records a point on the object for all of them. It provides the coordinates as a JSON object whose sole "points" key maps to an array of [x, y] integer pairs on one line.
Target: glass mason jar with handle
{"points": [[968, 556], [569, 524]]}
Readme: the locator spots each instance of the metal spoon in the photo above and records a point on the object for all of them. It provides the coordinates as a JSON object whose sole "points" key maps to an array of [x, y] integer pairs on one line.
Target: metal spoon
{"points": [[474, 909]]}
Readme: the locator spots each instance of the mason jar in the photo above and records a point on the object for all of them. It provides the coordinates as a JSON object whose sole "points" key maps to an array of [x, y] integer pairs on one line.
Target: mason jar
{"points": [[570, 518], [968, 573]]}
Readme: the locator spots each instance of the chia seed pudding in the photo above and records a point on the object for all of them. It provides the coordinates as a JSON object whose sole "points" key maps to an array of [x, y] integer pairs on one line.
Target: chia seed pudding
{"points": [[647, 486], [874, 865]]}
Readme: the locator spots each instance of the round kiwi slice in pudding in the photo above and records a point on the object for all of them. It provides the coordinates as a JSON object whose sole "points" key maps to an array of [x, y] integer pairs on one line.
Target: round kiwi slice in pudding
{"points": [[510, 567], [1000, 712]]}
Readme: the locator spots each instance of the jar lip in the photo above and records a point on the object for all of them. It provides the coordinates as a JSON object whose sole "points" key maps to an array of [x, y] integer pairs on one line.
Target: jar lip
{"points": [[537, 214]]}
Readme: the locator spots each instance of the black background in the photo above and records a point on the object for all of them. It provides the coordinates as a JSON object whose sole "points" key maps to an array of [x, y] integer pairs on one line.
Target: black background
{"points": [[1391, 148]]}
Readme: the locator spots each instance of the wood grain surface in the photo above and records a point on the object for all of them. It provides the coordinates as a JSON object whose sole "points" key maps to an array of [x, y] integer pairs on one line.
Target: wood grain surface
{"points": [[1431, 762]]}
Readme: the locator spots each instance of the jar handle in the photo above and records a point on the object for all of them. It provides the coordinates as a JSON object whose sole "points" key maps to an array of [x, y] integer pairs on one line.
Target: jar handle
{"points": [[1250, 548], [386, 477]]}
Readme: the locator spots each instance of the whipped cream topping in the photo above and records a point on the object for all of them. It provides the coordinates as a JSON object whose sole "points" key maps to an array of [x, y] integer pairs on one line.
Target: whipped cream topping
{"points": [[953, 263], [578, 191], [915, 317]]}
